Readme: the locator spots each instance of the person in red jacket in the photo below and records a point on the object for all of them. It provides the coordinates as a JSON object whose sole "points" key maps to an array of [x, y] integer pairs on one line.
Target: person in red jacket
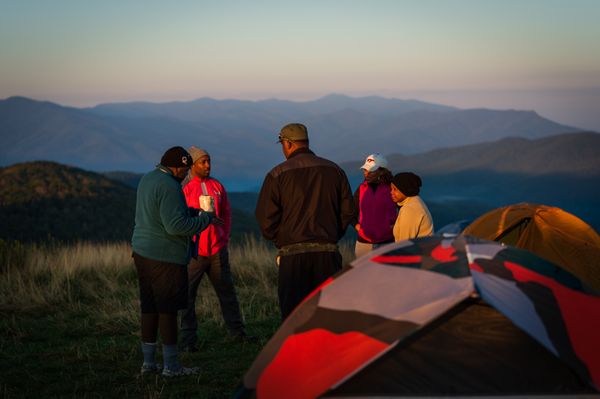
{"points": [[211, 254]]}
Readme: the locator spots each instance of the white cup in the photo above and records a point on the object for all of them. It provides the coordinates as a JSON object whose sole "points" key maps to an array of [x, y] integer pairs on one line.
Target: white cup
{"points": [[207, 203]]}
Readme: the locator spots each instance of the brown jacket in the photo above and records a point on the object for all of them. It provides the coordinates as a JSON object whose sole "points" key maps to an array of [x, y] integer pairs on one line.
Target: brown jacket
{"points": [[304, 199]]}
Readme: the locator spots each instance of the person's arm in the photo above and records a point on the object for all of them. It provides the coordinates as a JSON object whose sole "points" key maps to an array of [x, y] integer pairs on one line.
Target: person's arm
{"points": [[347, 208], [225, 213], [268, 208], [176, 217], [356, 218]]}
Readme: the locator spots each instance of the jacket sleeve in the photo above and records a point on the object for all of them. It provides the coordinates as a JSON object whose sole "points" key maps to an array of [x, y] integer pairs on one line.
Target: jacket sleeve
{"points": [[356, 217], [347, 208], [268, 208], [225, 213], [176, 217]]}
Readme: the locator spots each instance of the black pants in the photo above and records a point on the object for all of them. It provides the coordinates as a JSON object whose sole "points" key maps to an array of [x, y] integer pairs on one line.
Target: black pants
{"points": [[219, 272], [300, 274], [163, 285]]}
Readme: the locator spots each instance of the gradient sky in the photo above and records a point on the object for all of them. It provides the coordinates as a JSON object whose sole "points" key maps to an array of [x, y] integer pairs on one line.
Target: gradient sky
{"points": [[537, 55]]}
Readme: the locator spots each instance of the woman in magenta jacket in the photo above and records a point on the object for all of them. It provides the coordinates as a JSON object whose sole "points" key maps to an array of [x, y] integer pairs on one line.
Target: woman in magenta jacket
{"points": [[376, 212]]}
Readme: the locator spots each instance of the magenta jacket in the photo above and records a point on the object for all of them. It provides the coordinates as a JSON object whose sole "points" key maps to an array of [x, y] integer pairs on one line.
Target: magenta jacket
{"points": [[376, 213]]}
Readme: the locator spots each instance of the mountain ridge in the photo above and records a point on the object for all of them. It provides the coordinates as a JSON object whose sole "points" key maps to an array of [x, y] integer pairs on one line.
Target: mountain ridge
{"points": [[240, 135], [569, 154]]}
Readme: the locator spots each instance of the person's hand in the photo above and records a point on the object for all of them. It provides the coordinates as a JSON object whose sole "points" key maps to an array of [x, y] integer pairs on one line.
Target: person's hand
{"points": [[357, 226], [217, 221]]}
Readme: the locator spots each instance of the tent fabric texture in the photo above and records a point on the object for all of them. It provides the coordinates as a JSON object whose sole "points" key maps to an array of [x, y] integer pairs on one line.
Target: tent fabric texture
{"points": [[436, 316], [549, 232]]}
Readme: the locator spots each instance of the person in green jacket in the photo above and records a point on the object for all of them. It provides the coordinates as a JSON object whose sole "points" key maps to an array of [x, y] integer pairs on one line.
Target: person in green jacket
{"points": [[161, 246]]}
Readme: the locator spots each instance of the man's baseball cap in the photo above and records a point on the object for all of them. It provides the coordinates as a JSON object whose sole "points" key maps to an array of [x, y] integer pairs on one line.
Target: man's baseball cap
{"points": [[176, 157], [374, 162], [293, 132]]}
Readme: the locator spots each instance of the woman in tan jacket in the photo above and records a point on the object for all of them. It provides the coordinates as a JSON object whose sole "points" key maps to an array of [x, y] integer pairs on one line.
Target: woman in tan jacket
{"points": [[414, 219]]}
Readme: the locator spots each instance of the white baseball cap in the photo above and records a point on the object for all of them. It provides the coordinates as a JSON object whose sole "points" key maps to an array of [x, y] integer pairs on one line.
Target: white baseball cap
{"points": [[374, 162]]}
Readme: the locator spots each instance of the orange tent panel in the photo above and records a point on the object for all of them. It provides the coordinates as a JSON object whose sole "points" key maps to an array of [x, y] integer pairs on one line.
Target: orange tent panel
{"points": [[549, 232]]}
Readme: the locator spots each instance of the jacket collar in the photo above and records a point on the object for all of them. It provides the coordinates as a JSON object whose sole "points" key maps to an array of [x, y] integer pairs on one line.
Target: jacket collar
{"points": [[164, 169], [301, 150], [406, 200], [201, 179]]}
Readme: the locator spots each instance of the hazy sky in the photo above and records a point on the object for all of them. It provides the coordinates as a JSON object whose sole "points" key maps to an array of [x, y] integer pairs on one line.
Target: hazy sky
{"points": [[542, 55]]}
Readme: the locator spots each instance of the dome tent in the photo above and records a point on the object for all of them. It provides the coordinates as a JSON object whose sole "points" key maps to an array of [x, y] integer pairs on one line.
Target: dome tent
{"points": [[549, 232], [396, 323]]}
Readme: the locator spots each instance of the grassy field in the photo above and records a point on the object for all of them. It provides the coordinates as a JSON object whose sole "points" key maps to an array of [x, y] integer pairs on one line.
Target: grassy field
{"points": [[69, 323]]}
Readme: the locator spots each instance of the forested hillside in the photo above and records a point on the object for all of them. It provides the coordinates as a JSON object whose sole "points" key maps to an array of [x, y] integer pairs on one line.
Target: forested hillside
{"points": [[42, 201], [48, 201]]}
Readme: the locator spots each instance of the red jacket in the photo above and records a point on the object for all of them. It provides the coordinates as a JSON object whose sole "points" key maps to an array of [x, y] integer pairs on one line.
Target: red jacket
{"points": [[213, 238]]}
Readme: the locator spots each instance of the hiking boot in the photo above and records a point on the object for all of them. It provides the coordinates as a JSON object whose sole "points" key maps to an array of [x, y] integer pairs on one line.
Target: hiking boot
{"points": [[152, 368], [181, 371]]}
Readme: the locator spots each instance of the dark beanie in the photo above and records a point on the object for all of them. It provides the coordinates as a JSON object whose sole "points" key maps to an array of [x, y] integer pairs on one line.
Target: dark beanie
{"points": [[176, 157], [408, 183]]}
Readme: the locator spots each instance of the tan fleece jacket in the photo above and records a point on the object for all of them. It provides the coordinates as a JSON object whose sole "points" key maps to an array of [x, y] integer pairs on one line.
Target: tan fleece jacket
{"points": [[414, 220]]}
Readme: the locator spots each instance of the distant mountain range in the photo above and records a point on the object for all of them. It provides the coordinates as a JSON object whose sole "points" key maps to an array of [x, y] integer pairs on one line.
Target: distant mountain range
{"points": [[576, 154], [42, 200], [241, 135], [561, 170]]}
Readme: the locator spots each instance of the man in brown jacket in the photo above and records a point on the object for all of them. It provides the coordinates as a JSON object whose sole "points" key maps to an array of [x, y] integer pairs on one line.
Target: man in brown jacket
{"points": [[304, 207]]}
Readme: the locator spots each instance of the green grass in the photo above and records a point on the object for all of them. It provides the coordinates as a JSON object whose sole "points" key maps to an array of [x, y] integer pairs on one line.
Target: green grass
{"points": [[69, 323]]}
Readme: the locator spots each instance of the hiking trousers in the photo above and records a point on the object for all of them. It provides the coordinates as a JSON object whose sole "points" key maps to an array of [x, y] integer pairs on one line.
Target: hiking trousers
{"points": [[300, 274], [219, 273]]}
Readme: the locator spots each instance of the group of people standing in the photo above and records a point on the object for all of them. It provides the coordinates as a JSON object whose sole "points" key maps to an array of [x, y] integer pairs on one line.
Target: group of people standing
{"points": [[388, 207], [304, 207]]}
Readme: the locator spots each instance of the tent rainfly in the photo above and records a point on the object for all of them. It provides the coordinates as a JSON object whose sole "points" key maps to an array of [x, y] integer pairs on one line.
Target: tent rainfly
{"points": [[436, 316]]}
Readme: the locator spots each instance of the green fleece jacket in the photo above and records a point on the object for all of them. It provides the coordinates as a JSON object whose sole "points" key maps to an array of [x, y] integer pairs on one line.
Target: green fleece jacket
{"points": [[163, 222]]}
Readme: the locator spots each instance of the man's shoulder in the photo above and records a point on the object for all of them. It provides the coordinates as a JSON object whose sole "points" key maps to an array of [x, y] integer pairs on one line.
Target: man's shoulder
{"points": [[195, 185], [216, 183], [326, 162], [304, 160], [158, 183], [191, 184], [157, 176]]}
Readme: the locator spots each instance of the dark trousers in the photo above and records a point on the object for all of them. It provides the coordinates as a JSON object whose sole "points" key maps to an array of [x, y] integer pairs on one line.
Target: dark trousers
{"points": [[219, 272], [300, 274]]}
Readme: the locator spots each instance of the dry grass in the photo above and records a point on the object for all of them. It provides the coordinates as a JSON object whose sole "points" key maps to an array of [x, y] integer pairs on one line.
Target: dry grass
{"points": [[73, 311]]}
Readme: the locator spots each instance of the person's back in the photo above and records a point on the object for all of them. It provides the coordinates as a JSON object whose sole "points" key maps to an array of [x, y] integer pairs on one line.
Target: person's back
{"points": [[304, 207], [309, 189], [163, 225]]}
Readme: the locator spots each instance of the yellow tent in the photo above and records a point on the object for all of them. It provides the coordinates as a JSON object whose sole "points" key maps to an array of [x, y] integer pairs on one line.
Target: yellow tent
{"points": [[547, 231]]}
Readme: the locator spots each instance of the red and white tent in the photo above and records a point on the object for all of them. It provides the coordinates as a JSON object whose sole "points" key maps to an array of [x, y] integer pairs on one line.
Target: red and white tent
{"points": [[436, 316]]}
